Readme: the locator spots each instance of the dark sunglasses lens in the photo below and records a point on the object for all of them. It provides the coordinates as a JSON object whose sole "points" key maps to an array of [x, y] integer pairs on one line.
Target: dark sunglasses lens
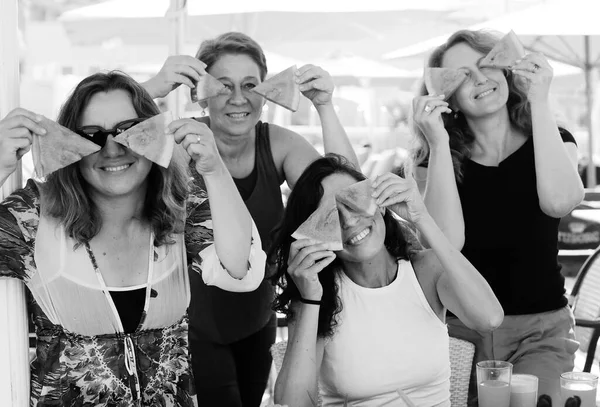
{"points": [[121, 127], [93, 134]]}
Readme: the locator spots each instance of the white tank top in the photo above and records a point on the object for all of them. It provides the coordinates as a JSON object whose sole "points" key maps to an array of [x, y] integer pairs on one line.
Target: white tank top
{"points": [[387, 339]]}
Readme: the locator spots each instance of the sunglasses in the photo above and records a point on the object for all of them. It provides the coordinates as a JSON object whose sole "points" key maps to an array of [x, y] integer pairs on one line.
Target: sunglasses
{"points": [[98, 135]]}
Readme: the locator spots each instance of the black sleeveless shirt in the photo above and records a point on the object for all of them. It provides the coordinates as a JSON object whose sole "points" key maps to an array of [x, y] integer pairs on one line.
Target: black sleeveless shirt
{"points": [[508, 238], [222, 316]]}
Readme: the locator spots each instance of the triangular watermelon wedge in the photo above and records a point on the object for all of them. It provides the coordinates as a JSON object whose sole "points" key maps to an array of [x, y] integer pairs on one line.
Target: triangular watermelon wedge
{"points": [[281, 89], [444, 81], [151, 139], [207, 87], [58, 148], [505, 52], [323, 226], [358, 197]]}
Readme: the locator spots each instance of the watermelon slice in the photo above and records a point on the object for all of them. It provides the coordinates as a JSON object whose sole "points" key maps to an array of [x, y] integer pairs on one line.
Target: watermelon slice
{"points": [[58, 148], [207, 87], [358, 197], [505, 52], [281, 89], [444, 81], [151, 139], [323, 226]]}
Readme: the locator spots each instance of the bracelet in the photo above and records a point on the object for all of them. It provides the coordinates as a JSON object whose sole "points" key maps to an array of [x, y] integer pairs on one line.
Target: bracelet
{"points": [[311, 302]]}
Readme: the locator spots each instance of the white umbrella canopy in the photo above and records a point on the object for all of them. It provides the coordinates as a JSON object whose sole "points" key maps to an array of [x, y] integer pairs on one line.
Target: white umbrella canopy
{"points": [[366, 28], [558, 29], [158, 8], [566, 31]]}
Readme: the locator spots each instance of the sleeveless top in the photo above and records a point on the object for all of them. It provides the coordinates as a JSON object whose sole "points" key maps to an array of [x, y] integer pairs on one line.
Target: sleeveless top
{"points": [[226, 317], [387, 339]]}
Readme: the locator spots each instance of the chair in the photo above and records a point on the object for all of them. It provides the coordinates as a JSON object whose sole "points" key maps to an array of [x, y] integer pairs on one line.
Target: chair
{"points": [[461, 360], [585, 302]]}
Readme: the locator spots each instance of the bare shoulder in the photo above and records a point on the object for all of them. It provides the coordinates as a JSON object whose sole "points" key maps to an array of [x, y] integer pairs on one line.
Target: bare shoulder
{"points": [[292, 152], [285, 140], [427, 266], [428, 271]]}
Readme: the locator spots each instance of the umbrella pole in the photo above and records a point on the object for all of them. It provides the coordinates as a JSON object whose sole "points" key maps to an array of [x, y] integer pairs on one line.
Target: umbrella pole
{"points": [[176, 16], [591, 170], [14, 342]]}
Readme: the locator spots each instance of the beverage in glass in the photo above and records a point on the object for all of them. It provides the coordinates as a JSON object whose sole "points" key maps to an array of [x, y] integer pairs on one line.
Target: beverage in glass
{"points": [[493, 383], [523, 390], [580, 384]]}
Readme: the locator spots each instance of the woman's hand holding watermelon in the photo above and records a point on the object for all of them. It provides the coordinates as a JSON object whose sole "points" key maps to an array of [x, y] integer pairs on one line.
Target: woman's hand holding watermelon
{"points": [[401, 195], [198, 140], [177, 70], [306, 260], [16, 136], [427, 115], [536, 70], [316, 84]]}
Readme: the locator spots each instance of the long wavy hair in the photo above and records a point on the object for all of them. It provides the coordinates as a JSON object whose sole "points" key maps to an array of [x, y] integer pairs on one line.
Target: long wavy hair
{"points": [[461, 136], [304, 199], [65, 193]]}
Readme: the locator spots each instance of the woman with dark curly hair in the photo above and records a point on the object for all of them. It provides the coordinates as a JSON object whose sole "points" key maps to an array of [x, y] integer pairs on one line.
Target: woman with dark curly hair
{"points": [[357, 317], [500, 173]]}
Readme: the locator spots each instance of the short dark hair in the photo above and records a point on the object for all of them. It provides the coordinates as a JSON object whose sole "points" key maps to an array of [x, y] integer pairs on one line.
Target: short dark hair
{"points": [[304, 199], [232, 43], [65, 193]]}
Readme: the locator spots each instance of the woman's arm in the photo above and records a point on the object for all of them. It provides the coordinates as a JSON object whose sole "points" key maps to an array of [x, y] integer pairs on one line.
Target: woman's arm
{"points": [[230, 219], [559, 186], [296, 383], [317, 85], [460, 287], [441, 194]]}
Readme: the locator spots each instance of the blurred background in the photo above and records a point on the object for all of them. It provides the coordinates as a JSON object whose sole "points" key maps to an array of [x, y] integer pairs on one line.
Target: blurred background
{"points": [[374, 50]]}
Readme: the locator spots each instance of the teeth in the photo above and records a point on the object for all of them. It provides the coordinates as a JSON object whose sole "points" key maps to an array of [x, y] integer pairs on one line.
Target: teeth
{"points": [[360, 236], [115, 169], [238, 115], [487, 92]]}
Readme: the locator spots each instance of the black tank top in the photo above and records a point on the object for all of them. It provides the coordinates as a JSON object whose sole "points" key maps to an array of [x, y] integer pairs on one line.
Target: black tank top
{"points": [[223, 316]]}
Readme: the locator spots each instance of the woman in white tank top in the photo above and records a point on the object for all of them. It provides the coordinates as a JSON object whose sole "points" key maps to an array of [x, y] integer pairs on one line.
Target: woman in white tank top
{"points": [[366, 323]]}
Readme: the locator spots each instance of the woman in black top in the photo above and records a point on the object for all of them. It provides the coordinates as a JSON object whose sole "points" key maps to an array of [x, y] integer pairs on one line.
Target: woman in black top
{"points": [[499, 174], [230, 334]]}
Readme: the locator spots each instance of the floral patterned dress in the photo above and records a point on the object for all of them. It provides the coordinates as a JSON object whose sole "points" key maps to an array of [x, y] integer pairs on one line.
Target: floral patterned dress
{"points": [[83, 356]]}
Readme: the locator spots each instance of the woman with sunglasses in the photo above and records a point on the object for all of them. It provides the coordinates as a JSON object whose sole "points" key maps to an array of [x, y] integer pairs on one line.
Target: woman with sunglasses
{"points": [[499, 175], [235, 331], [104, 246]]}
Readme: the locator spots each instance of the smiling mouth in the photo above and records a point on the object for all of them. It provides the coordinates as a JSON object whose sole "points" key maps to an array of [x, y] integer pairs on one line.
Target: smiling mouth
{"points": [[486, 93], [359, 237], [117, 168], [237, 115]]}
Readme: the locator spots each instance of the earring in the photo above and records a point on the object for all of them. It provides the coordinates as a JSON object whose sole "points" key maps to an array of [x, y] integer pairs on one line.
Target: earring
{"points": [[456, 115], [203, 113]]}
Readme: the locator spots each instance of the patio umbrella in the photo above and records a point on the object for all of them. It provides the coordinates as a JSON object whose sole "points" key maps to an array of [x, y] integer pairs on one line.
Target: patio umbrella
{"points": [[567, 31], [369, 27]]}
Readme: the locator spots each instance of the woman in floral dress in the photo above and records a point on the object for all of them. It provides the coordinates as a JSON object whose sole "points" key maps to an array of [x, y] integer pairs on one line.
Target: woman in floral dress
{"points": [[104, 247]]}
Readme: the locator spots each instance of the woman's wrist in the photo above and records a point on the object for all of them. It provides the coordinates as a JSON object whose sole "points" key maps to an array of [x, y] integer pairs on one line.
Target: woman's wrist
{"points": [[309, 301], [324, 108]]}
